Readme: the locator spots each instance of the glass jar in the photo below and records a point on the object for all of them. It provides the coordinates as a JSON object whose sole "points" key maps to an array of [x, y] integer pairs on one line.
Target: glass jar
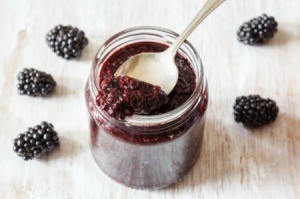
{"points": [[147, 151]]}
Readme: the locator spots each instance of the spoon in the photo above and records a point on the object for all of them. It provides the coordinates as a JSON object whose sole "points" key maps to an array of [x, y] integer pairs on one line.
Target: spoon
{"points": [[159, 68]]}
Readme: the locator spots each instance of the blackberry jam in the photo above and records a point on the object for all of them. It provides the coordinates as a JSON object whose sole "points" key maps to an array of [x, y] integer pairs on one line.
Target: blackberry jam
{"points": [[160, 143]]}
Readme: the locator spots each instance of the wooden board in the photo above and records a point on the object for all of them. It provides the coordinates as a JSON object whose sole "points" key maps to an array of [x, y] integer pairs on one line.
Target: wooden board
{"points": [[235, 162]]}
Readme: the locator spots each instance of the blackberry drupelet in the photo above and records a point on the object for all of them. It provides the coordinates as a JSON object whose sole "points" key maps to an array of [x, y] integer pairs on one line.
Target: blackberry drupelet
{"points": [[66, 41], [36, 141], [258, 30], [35, 83], [254, 110]]}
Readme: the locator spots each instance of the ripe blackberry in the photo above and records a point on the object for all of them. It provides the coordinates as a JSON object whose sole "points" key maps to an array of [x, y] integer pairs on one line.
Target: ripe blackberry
{"points": [[36, 141], [255, 111], [66, 41], [258, 30], [35, 83]]}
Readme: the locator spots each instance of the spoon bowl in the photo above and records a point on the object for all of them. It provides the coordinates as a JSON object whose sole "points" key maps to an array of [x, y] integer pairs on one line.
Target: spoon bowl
{"points": [[150, 68]]}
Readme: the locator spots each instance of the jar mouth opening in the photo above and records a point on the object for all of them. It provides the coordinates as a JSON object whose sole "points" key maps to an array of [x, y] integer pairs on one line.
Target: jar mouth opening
{"points": [[166, 37]]}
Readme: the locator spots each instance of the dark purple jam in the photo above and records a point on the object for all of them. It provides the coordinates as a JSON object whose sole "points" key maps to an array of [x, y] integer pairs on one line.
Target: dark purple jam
{"points": [[125, 96]]}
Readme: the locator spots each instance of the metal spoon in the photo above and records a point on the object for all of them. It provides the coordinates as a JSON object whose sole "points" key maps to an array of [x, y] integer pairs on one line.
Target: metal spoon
{"points": [[159, 68]]}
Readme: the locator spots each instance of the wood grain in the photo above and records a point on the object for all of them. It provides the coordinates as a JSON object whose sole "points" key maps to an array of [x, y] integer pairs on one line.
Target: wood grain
{"points": [[235, 162]]}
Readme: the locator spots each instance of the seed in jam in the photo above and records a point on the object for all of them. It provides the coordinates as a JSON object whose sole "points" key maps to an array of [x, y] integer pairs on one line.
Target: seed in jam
{"points": [[124, 96]]}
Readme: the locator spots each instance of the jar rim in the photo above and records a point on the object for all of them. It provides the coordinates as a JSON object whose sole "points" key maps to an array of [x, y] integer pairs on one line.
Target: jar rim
{"points": [[154, 120]]}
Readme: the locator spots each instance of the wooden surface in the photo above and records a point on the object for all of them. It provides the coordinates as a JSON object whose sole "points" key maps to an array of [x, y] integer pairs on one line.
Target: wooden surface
{"points": [[235, 162]]}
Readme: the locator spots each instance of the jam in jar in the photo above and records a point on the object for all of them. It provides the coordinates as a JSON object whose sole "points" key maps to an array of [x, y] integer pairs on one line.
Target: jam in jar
{"points": [[139, 136]]}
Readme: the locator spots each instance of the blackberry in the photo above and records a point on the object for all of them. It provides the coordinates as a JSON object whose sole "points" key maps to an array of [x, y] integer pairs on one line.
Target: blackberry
{"points": [[66, 41], [35, 83], [258, 30], [36, 141], [254, 110]]}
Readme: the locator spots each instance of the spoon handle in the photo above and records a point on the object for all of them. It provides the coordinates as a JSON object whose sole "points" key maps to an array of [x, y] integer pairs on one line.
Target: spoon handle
{"points": [[209, 6]]}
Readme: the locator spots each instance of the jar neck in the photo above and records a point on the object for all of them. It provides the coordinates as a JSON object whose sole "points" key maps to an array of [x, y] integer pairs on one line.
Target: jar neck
{"points": [[166, 37]]}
